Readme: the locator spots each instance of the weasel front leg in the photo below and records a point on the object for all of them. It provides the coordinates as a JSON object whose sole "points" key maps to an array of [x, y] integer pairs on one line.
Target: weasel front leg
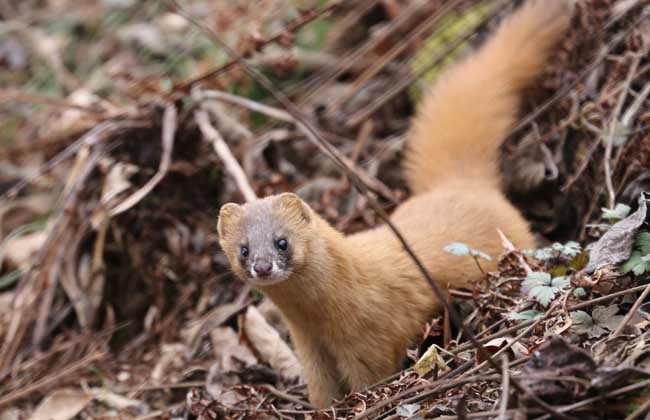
{"points": [[364, 367], [320, 371]]}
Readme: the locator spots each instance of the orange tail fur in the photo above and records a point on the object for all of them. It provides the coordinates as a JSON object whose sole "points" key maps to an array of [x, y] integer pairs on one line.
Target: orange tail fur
{"points": [[461, 124]]}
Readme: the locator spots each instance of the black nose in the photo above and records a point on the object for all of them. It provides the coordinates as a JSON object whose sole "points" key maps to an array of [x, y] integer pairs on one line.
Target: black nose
{"points": [[262, 268]]}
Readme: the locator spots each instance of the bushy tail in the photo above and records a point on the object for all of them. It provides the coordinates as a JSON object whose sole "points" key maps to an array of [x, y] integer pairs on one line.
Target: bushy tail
{"points": [[460, 126]]}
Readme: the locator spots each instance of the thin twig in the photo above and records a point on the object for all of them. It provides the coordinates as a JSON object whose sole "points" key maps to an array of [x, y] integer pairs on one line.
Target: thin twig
{"points": [[505, 388], [373, 183], [605, 298], [223, 151], [632, 312], [170, 122], [288, 397], [36, 278], [73, 367], [613, 128], [97, 134], [510, 343], [433, 387]]}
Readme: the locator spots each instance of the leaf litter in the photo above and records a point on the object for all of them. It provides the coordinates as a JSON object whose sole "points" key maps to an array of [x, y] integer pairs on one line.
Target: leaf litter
{"points": [[115, 301]]}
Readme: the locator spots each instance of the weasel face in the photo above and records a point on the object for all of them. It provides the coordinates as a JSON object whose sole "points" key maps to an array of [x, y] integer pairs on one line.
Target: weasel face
{"points": [[265, 241]]}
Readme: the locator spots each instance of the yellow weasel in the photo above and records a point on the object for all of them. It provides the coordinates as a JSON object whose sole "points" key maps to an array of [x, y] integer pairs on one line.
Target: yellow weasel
{"points": [[355, 303]]}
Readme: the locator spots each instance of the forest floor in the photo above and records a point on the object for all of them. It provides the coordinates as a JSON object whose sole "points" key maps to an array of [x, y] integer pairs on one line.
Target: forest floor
{"points": [[124, 126]]}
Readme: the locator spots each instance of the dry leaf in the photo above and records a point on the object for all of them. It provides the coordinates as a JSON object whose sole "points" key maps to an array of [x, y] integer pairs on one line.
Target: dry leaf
{"points": [[11, 414], [221, 376], [115, 184], [270, 345], [615, 245], [273, 316], [194, 333], [219, 385], [172, 22], [516, 351], [72, 118], [6, 302], [114, 400], [62, 404], [19, 250], [227, 347], [430, 360], [172, 354]]}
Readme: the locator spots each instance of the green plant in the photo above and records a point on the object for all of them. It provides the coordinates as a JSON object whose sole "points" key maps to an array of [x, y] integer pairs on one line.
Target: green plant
{"points": [[619, 212], [639, 261], [566, 251], [460, 249], [542, 287]]}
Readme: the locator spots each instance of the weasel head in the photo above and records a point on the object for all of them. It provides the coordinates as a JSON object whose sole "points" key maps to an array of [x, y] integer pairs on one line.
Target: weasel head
{"points": [[266, 241]]}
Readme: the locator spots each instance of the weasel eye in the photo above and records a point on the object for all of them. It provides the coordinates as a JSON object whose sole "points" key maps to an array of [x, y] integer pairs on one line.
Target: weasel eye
{"points": [[243, 251], [282, 244]]}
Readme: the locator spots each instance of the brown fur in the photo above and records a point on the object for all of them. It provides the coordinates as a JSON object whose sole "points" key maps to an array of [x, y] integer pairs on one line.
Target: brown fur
{"points": [[355, 303]]}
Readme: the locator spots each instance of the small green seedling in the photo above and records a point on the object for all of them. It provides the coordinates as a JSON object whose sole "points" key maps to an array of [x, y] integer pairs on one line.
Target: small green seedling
{"points": [[542, 287], [460, 249], [639, 261]]}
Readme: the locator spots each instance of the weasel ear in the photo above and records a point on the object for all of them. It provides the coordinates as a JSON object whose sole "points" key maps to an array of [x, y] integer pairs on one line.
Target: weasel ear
{"points": [[294, 207], [229, 215]]}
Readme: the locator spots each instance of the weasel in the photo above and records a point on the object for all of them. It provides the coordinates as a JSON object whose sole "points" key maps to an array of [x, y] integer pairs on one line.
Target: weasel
{"points": [[355, 303]]}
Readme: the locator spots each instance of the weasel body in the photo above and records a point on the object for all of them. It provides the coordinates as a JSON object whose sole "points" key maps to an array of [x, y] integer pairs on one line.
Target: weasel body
{"points": [[355, 303]]}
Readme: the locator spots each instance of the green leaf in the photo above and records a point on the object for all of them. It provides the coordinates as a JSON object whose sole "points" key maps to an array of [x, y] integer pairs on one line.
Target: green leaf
{"points": [[560, 282], [542, 254], [460, 249], [637, 263], [457, 248], [580, 261], [620, 211], [543, 278], [543, 294], [480, 254], [642, 242], [528, 315], [640, 268], [571, 249], [558, 271], [633, 261], [535, 279], [568, 251]]}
